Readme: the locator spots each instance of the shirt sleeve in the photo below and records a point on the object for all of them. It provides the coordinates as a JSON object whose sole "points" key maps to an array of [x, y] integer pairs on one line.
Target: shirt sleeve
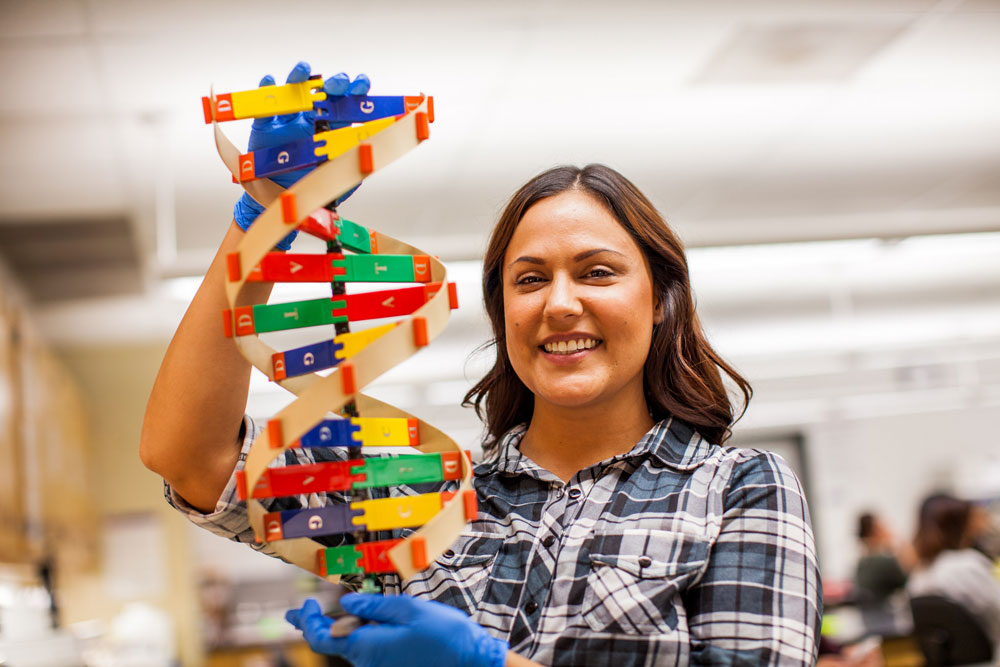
{"points": [[229, 519], [759, 601]]}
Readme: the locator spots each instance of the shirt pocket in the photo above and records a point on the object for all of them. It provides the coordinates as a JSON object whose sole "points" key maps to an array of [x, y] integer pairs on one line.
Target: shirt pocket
{"points": [[460, 575], [636, 578]]}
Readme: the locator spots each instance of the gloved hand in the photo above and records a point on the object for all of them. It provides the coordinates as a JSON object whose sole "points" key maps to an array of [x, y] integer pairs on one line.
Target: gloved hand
{"points": [[407, 631], [278, 130]]}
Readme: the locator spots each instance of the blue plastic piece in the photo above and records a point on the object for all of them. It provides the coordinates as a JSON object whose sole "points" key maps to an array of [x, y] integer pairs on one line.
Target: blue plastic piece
{"points": [[285, 157], [313, 521], [310, 358], [331, 433], [359, 108]]}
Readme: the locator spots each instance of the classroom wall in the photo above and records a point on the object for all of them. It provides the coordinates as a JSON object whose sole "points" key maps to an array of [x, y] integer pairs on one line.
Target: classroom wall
{"points": [[888, 464], [116, 381]]}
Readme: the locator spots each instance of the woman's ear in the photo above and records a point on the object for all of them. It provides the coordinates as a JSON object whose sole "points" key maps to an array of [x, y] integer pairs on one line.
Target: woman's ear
{"points": [[658, 314]]}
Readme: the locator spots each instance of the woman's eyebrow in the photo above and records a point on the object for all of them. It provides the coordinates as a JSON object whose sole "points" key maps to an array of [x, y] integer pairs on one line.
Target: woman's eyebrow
{"points": [[576, 258]]}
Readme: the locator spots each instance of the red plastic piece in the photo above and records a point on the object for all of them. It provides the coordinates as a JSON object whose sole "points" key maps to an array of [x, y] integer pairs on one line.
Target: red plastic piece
{"points": [[223, 107], [430, 108], [413, 431], [272, 527], [347, 378], [233, 267], [375, 556], [274, 435], [420, 331], [366, 162], [310, 478], [422, 268], [227, 323], [289, 212], [453, 295], [244, 320], [281, 267], [322, 224], [423, 129], [451, 466], [385, 303], [278, 365], [373, 241], [248, 167], [418, 552]]}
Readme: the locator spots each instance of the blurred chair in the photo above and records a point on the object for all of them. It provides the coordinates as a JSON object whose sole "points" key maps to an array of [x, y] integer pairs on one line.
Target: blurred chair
{"points": [[947, 632]]}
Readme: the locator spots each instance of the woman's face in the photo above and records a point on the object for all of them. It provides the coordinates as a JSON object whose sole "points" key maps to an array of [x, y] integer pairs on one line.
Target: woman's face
{"points": [[578, 303]]}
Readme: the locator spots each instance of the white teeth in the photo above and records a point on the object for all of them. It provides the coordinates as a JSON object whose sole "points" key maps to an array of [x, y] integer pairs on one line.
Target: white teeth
{"points": [[571, 346]]}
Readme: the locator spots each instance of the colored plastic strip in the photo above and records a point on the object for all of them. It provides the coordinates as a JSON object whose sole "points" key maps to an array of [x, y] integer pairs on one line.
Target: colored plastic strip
{"points": [[362, 108], [365, 558], [311, 522], [330, 267], [328, 226], [366, 431], [392, 513], [325, 354], [333, 143], [264, 101], [262, 318], [329, 476], [267, 162]]}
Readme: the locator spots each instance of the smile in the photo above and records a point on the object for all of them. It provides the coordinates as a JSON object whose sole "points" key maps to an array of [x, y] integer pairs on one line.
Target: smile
{"points": [[570, 346]]}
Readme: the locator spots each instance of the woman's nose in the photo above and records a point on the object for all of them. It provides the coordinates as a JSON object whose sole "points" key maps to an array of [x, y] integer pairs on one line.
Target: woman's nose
{"points": [[562, 300]]}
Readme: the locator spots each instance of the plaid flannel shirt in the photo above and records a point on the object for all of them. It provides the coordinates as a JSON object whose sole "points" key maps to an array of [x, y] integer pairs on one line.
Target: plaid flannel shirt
{"points": [[676, 552]]}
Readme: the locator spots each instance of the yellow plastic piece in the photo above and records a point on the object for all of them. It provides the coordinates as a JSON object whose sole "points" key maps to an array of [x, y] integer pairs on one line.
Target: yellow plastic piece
{"points": [[383, 431], [346, 138], [273, 100], [356, 341], [389, 513]]}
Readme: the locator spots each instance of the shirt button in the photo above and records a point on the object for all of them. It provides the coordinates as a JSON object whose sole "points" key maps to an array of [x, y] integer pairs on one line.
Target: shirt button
{"points": [[449, 554], [645, 561], [575, 493], [531, 607], [548, 541]]}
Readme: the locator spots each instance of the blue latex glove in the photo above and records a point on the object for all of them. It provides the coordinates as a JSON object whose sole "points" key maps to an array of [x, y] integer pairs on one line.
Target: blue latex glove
{"points": [[407, 631], [278, 130]]}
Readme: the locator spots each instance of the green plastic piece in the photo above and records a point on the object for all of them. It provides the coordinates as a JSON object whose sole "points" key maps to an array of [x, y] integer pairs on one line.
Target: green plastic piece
{"points": [[354, 236], [405, 469], [296, 314], [376, 269], [343, 560]]}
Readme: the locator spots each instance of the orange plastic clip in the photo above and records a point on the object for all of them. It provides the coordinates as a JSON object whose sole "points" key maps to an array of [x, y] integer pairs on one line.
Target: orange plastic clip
{"points": [[241, 484], [420, 331], [289, 214], [233, 267], [366, 163], [347, 378], [453, 295], [423, 129], [227, 323], [418, 552], [274, 434], [470, 504]]}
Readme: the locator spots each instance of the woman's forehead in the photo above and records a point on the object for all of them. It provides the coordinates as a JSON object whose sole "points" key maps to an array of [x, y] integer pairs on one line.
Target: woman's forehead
{"points": [[570, 221]]}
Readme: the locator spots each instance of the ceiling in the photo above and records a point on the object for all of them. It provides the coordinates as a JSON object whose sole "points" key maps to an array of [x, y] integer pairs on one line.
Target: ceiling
{"points": [[746, 122]]}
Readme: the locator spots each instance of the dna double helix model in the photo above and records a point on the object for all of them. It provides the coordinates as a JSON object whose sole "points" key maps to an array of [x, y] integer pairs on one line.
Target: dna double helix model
{"points": [[327, 377]]}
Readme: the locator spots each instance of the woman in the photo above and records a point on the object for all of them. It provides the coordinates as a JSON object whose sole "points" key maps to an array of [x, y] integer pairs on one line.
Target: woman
{"points": [[613, 528], [950, 567]]}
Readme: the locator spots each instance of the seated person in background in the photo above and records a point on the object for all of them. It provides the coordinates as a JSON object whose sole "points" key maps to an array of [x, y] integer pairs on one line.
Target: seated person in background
{"points": [[879, 572], [949, 567]]}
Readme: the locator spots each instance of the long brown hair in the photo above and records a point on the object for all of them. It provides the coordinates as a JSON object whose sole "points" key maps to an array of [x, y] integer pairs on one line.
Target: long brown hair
{"points": [[681, 377]]}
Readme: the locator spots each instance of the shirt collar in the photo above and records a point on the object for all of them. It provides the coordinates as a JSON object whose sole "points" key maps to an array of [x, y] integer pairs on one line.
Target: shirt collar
{"points": [[671, 441]]}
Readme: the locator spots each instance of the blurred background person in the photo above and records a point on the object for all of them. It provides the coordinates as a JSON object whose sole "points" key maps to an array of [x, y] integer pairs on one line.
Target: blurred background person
{"points": [[883, 566], [950, 567]]}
